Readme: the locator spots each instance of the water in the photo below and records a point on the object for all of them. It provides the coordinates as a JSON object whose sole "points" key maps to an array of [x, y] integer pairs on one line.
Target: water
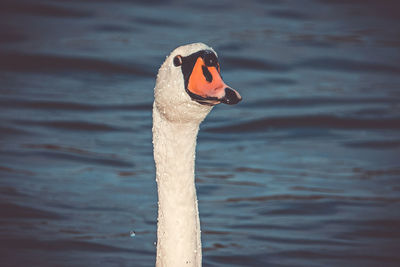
{"points": [[303, 172]]}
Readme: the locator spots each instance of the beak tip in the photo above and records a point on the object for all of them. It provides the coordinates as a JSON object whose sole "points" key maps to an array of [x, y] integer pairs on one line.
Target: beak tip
{"points": [[231, 97]]}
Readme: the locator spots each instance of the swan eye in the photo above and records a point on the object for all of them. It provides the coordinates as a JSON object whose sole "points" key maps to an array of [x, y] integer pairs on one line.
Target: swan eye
{"points": [[210, 59], [177, 61]]}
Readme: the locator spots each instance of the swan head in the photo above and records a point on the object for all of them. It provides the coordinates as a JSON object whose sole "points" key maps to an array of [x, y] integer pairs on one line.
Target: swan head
{"points": [[189, 84]]}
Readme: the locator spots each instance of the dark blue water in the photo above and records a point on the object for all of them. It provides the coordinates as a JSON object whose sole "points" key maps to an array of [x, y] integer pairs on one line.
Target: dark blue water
{"points": [[303, 172]]}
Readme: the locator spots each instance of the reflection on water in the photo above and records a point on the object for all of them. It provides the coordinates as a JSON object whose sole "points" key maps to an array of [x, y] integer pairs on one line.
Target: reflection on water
{"points": [[304, 172]]}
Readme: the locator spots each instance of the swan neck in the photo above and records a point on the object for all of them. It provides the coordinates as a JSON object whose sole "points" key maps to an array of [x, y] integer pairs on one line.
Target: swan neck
{"points": [[178, 229]]}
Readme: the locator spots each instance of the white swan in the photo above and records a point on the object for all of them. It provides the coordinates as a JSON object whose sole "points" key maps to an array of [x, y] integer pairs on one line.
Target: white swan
{"points": [[188, 85]]}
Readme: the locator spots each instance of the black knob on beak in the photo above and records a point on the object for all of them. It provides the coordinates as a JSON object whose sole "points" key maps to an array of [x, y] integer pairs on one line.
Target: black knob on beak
{"points": [[231, 97]]}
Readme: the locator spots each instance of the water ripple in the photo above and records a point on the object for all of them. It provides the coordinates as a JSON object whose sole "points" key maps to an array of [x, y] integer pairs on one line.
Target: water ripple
{"points": [[339, 64], [4, 131], [73, 125], [318, 101], [74, 106], [311, 121], [374, 144], [18, 61], [230, 62], [74, 154], [64, 245], [10, 210], [288, 14], [313, 197], [42, 9]]}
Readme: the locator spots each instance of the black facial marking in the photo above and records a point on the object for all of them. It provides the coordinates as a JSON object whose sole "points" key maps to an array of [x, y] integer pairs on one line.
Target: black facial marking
{"points": [[187, 64], [210, 59], [207, 74]]}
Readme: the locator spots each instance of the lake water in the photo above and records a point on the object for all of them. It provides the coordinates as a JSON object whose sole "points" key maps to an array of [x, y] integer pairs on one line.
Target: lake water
{"points": [[303, 172]]}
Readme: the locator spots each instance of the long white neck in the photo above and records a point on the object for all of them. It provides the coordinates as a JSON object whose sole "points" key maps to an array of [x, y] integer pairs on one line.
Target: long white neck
{"points": [[178, 230]]}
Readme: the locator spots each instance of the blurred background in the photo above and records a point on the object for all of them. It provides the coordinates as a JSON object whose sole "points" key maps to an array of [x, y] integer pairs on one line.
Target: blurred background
{"points": [[303, 172]]}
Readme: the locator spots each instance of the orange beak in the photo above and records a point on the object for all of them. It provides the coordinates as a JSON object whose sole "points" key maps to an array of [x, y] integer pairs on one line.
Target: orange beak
{"points": [[206, 85]]}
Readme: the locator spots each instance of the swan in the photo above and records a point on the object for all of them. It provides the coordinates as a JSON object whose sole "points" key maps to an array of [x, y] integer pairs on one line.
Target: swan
{"points": [[187, 87]]}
